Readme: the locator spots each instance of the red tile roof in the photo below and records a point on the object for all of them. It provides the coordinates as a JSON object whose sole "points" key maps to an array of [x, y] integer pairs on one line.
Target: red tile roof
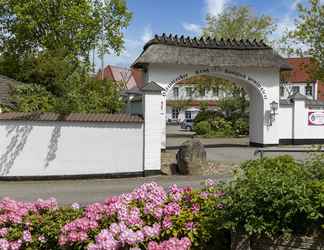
{"points": [[73, 117], [300, 72], [134, 78]]}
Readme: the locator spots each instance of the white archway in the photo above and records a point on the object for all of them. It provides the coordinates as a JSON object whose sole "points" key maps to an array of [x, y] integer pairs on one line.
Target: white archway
{"points": [[167, 60], [261, 86]]}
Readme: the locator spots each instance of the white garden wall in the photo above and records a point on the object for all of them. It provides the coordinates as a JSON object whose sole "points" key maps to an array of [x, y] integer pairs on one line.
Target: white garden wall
{"points": [[285, 119], [37, 148], [295, 127]]}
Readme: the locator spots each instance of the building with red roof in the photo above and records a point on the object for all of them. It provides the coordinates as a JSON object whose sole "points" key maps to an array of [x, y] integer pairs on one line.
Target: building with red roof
{"points": [[300, 80], [132, 79]]}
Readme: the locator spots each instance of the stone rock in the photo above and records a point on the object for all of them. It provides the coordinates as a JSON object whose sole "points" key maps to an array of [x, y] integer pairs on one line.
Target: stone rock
{"points": [[191, 157]]}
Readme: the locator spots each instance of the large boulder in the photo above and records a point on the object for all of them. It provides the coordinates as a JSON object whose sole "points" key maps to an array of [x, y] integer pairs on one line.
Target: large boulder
{"points": [[191, 157]]}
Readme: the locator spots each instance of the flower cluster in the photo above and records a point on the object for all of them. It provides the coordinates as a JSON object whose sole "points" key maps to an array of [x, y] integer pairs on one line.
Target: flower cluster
{"points": [[149, 217], [13, 214]]}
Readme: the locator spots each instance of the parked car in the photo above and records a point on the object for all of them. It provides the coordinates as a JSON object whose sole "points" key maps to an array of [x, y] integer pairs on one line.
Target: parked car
{"points": [[187, 124]]}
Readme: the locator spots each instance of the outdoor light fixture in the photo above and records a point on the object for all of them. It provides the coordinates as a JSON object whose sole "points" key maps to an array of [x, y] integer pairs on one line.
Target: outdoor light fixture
{"points": [[274, 106]]}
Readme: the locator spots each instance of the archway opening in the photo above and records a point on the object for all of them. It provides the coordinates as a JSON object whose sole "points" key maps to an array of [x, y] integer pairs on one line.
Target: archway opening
{"points": [[215, 105]]}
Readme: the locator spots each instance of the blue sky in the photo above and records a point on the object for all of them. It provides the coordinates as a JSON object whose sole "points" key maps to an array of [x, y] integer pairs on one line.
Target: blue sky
{"points": [[187, 17]]}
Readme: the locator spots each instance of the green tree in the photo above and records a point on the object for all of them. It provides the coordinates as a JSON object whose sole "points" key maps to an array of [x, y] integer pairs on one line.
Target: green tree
{"points": [[33, 26], [47, 44], [239, 23], [307, 39]]}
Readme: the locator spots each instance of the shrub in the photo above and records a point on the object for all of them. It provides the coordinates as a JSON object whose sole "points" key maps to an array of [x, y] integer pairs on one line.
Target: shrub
{"points": [[271, 196], [221, 127], [241, 126], [202, 128], [207, 115], [314, 165]]}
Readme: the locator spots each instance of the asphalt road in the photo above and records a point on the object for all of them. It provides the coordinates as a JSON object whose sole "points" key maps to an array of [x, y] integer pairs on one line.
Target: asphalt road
{"points": [[228, 150], [86, 191]]}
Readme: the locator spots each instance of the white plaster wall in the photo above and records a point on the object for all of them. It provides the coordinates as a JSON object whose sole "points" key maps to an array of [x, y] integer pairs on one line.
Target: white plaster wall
{"points": [[293, 122], [302, 130], [153, 130], [62, 148], [285, 119], [261, 132]]}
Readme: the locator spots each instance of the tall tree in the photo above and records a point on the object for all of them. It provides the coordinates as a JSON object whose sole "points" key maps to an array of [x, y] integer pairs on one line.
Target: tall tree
{"points": [[47, 44], [307, 39], [239, 23], [32, 26]]}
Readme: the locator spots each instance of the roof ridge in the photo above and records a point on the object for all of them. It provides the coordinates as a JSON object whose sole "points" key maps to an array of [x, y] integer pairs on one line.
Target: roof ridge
{"points": [[206, 42]]}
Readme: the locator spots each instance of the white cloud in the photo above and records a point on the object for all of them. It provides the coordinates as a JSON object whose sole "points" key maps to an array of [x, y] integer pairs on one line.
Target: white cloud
{"points": [[148, 34], [215, 7], [285, 24], [191, 27], [294, 4]]}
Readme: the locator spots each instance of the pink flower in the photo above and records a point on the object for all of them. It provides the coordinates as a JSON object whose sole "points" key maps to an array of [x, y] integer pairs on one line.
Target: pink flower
{"points": [[42, 239], [189, 225], [75, 206], [220, 206], [209, 183], [114, 229], [4, 244], [15, 245], [3, 232], [104, 241], [204, 195], [27, 236], [195, 208], [171, 244], [172, 209], [158, 212], [51, 203], [167, 223]]}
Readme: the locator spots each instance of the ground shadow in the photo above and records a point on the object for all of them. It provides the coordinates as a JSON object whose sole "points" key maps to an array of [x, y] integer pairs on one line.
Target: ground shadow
{"points": [[19, 136]]}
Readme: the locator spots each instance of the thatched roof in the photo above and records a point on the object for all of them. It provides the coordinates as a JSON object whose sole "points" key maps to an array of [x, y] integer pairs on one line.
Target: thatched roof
{"points": [[209, 52]]}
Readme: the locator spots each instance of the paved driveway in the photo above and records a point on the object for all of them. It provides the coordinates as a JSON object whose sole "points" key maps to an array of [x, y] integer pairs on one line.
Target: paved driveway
{"points": [[87, 191]]}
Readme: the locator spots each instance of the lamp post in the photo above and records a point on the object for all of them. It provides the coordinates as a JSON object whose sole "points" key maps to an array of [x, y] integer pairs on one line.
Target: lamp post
{"points": [[274, 106]]}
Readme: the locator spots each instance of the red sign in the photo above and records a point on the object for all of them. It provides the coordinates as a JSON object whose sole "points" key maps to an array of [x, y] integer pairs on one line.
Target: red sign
{"points": [[315, 118]]}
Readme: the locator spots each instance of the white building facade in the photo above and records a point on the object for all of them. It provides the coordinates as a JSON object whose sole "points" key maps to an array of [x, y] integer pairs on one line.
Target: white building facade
{"points": [[190, 98]]}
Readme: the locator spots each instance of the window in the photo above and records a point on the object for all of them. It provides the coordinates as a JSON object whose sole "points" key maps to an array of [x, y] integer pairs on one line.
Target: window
{"points": [[215, 91], [175, 113], [189, 91], [202, 92], [295, 89], [309, 90], [176, 92], [188, 114], [282, 91]]}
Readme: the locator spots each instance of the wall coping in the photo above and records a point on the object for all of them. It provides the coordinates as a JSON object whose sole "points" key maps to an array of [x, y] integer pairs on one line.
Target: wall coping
{"points": [[71, 117]]}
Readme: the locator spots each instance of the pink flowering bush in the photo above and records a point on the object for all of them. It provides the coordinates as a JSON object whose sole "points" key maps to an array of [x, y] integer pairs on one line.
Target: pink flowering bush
{"points": [[149, 217]]}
